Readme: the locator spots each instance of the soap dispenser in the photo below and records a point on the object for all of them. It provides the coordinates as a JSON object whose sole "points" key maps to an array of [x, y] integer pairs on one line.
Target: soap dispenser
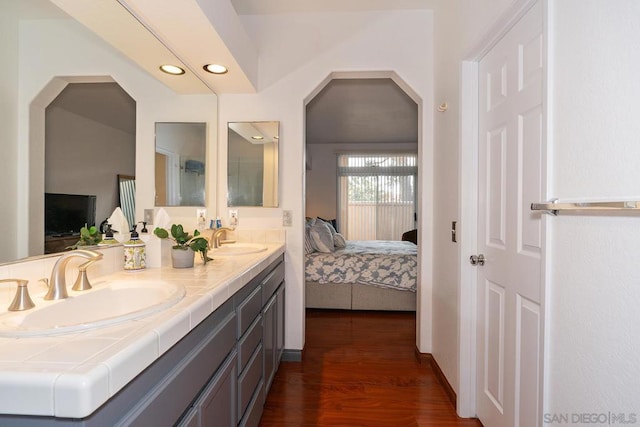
{"points": [[108, 238], [134, 252]]}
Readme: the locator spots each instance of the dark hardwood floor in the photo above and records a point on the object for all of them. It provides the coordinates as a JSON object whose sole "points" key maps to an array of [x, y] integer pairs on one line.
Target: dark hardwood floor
{"points": [[359, 369]]}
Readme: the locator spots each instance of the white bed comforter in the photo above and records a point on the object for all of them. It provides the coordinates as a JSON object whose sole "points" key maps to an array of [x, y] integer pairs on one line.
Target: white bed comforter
{"points": [[382, 263]]}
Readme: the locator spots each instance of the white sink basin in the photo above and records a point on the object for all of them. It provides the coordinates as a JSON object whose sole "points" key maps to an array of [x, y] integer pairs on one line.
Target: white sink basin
{"points": [[231, 249], [105, 305]]}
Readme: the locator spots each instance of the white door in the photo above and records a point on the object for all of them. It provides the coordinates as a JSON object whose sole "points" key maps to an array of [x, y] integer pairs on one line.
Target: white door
{"points": [[510, 168]]}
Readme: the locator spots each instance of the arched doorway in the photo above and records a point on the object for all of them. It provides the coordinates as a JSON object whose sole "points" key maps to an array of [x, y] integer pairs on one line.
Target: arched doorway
{"points": [[323, 187]]}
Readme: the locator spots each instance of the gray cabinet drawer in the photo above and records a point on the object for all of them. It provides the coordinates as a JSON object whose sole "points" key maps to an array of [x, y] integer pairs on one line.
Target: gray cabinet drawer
{"points": [[254, 412], [249, 380], [271, 282], [249, 342], [248, 310], [217, 402]]}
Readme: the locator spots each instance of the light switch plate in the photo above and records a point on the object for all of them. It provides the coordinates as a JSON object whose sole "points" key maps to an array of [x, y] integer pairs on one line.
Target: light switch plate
{"points": [[287, 218], [148, 216]]}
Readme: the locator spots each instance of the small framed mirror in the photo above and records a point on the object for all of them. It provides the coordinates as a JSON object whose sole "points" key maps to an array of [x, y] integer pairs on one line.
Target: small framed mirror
{"points": [[180, 164], [252, 164]]}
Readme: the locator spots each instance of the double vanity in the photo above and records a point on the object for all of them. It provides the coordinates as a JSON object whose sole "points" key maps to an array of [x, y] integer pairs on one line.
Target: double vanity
{"points": [[162, 346]]}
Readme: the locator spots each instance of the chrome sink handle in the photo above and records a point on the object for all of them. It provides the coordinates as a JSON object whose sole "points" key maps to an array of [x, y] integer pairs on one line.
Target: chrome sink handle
{"points": [[58, 283], [82, 282], [22, 300]]}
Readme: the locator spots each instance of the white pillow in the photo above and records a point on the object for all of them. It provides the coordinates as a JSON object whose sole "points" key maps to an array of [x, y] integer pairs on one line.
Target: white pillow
{"points": [[321, 237], [339, 241]]}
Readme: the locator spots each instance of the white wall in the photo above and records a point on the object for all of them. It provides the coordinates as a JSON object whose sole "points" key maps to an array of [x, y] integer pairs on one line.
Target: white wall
{"points": [[71, 51], [73, 140], [477, 17], [458, 26], [297, 53], [321, 179], [8, 126], [593, 291], [445, 263]]}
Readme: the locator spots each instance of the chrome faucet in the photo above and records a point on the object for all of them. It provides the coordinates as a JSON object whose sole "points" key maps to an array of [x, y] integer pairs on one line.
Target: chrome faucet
{"points": [[58, 282], [216, 235]]}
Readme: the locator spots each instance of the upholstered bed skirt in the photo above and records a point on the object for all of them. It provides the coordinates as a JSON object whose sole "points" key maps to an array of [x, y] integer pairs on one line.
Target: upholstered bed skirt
{"points": [[347, 296]]}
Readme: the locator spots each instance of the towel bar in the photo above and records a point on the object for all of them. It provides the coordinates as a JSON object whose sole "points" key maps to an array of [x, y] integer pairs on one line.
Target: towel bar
{"points": [[554, 206]]}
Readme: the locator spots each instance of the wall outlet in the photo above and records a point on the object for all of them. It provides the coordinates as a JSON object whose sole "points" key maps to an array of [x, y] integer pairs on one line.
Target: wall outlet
{"points": [[148, 216], [233, 217], [287, 218], [201, 218]]}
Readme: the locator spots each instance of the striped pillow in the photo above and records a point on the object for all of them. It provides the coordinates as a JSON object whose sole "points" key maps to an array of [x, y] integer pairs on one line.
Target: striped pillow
{"points": [[321, 237], [308, 244]]}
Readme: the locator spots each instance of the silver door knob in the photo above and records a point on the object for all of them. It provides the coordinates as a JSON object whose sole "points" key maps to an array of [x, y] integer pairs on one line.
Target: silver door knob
{"points": [[476, 259]]}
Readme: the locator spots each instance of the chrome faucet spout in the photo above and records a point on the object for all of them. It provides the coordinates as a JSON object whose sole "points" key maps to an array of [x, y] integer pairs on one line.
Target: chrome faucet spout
{"points": [[58, 282], [217, 233]]}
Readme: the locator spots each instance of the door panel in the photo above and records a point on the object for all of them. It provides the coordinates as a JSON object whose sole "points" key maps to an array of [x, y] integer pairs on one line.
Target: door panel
{"points": [[494, 344], [510, 167], [527, 362], [496, 188]]}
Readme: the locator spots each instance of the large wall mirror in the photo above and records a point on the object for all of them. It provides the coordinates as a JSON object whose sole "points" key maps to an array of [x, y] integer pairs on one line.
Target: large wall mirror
{"points": [[180, 164], [252, 164], [84, 75]]}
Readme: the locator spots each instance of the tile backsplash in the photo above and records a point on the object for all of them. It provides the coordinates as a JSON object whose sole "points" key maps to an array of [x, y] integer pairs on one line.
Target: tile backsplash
{"points": [[36, 268], [248, 235]]}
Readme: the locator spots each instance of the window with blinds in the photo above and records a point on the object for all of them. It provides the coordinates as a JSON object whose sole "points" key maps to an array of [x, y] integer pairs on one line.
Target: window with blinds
{"points": [[376, 195]]}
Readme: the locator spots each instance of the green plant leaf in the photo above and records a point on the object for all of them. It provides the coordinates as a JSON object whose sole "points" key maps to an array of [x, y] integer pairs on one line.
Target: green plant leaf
{"points": [[161, 232]]}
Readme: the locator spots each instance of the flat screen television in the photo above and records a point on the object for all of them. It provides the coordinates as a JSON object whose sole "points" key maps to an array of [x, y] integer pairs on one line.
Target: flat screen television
{"points": [[66, 214]]}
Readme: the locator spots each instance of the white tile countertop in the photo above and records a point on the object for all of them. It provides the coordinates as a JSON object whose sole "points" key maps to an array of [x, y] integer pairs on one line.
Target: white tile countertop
{"points": [[72, 375]]}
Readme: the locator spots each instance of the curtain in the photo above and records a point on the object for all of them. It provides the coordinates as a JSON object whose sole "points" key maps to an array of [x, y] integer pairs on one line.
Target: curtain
{"points": [[376, 195]]}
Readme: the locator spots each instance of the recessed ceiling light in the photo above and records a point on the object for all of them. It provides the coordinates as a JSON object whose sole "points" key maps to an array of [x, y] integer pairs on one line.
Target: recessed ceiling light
{"points": [[258, 137], [171, 69], [215, 68]]}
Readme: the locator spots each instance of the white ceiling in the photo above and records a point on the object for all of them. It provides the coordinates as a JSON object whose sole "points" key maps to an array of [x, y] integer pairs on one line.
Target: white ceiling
{"points": [[254, 7]]}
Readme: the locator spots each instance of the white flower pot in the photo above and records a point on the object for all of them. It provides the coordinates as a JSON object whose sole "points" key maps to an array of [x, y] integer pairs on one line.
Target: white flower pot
{"points": [[181, 258]]}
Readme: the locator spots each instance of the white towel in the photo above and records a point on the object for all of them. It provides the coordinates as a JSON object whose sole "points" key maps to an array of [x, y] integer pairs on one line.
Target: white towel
{"points": [[162, 219], [119, 222]]}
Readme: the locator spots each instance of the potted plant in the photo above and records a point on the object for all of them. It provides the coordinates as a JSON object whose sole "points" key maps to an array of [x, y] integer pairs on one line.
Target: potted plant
{"points": [[185, 246], [89, 236]]}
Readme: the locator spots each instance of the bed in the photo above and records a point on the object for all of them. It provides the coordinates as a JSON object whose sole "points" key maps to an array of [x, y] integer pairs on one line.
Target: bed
{"points": [[363, 275]]}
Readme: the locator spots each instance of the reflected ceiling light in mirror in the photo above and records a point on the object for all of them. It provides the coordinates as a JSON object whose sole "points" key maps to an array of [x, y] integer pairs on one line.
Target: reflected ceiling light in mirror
{"points": [[215, 69], [172, 69]]}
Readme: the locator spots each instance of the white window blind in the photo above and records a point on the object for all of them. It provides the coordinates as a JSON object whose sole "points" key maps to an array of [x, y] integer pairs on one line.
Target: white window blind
{"points": [[376, 195]]}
